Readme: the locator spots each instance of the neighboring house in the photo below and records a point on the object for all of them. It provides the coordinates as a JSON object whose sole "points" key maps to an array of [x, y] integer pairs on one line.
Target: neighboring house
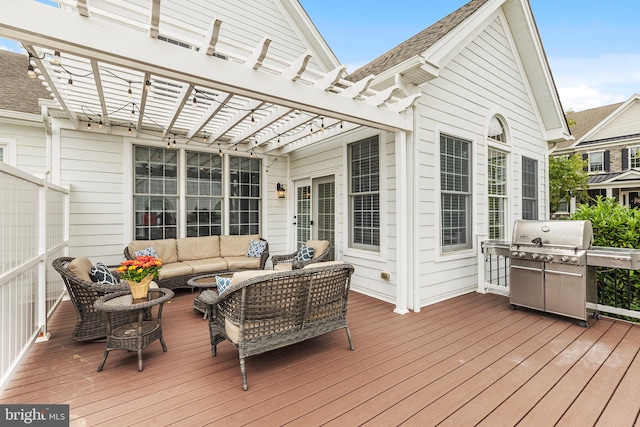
{"points": [[608, 138], [405, 165]]}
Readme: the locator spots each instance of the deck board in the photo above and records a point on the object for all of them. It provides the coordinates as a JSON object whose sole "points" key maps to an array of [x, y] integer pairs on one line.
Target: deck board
{"points": [[469, 360]]}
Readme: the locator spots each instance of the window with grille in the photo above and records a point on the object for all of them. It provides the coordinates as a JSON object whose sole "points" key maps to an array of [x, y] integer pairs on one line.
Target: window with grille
{"points": [[634, 157], [596, 161], [204, 202], [529, 188], [364, 193], [244, 195], [156, 193], [455, 190], [497, 173], [496, 130], [1, 153]]}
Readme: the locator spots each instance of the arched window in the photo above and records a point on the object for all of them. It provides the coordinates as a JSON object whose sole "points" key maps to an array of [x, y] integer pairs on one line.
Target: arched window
{"points": [[496, 130]]}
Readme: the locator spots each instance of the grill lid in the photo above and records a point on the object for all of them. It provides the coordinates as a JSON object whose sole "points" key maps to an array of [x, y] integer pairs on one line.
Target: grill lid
{"points": [[557, 233]]}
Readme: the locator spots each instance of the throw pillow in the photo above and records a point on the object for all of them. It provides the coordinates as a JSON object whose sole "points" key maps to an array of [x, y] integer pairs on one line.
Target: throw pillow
{"points": [[256, 248], [100, 273], [222, 283], [305, 253], [146, 252]]}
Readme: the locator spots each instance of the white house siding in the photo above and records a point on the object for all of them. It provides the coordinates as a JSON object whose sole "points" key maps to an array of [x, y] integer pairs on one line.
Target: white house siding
{"points": [[484, 79], [627, 122], [330, 158], [244, 24], [92, 164], [29, 143], [275, 222]]}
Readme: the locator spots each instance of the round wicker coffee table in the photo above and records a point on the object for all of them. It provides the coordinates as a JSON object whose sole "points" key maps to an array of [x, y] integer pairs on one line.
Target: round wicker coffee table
{"points": [[139, 333], [203, 282]]}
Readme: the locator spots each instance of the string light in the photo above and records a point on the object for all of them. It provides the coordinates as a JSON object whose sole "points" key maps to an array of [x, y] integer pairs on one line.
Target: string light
{"points": [[168, 144], [220, 150], [253, 120], [174, 141], [195, 100], [88, 125], [56, 57], [204, 138], [147, 85], [129, 92], [100, 124], [133, 111], [31, 72], [70, 82], [129, 128]]}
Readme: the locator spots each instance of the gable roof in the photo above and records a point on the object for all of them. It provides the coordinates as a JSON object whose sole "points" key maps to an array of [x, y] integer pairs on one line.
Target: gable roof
{"points": [[587, 120], [17, 91], [417, 44]]}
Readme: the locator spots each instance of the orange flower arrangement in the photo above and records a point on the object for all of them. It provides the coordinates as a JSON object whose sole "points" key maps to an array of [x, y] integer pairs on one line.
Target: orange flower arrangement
{"points": [[139, 268]]}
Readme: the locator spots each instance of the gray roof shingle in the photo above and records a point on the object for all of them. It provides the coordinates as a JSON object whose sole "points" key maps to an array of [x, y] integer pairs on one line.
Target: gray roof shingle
{"points": [[17, 91], [417, 44]]}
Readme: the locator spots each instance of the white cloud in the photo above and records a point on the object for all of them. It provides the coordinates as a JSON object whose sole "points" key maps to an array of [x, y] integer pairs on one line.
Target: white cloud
{"points": [[11, 46], [585, 83]]}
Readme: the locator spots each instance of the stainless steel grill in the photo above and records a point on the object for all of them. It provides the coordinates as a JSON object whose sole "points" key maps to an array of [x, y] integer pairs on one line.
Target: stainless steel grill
{"points": [[549, 267]]}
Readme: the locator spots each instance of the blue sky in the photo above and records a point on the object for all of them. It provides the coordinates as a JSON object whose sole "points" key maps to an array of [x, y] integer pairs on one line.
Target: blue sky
{"points": [[593, 46]]}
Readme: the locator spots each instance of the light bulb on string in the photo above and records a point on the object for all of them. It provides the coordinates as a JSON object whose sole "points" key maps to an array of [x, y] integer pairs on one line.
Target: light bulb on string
{"points": [[100, 124], [129, 129], [133, 111], [31, 72], [220, 150], [174, 141], [204, 138], [88, 125], [129, 92], [147, 85], [56, 57], [253, 120]]}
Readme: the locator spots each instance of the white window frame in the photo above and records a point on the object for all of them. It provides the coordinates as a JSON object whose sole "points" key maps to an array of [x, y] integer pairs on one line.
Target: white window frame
{"points": [[634, 157], [591, 165], [468, 195], [351, 197], [10, 151], [500, 197]]}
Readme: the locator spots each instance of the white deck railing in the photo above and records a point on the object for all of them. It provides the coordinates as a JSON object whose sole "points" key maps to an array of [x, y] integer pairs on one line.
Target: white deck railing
{"points": [[33, 231]]}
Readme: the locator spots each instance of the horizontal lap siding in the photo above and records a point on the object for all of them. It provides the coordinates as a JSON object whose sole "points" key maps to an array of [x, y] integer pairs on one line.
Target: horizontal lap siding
{"points": [[626, 123], [329, 156], [31, 147], [93, 165], [482, 80]]}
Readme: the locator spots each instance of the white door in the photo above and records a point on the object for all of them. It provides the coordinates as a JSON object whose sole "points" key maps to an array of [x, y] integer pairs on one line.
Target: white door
{"points": [[315, 210]]}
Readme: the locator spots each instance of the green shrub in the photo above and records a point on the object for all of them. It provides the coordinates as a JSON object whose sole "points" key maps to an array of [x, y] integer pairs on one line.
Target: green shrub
{"points": [[614, 225]]}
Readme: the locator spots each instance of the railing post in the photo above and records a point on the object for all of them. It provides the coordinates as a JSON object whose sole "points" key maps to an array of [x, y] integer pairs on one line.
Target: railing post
{"points": [[42, 265], [481, 267]]}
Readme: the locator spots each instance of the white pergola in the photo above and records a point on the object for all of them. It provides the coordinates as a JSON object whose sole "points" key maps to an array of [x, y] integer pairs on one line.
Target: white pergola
{"points": [[114, 72]]}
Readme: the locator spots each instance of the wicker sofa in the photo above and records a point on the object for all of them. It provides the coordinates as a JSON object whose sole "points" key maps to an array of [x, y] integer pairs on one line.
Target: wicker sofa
{"points": [[261, 311], [188, 257]]}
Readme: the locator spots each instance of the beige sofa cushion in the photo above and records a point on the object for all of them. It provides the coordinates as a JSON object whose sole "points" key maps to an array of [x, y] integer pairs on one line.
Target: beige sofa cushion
{"points": [[285, 266], [322, 264], [195, 248], [79, 267], [207, 265], [236, 245], [319, 247], [166, 249], [242, 262], [175, 269]]}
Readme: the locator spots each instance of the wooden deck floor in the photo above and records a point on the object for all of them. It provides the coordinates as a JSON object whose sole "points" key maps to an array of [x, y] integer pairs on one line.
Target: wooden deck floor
{"points": [[466, 361]]}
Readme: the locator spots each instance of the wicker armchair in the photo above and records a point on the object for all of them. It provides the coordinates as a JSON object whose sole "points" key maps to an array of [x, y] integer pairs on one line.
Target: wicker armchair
{"points": [[91, 323], [289, 262]]}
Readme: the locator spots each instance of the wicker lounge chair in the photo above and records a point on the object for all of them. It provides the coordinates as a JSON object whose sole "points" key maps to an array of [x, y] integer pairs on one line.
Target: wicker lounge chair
{"points": [[289, 261], [261, 311], [91, 323]]}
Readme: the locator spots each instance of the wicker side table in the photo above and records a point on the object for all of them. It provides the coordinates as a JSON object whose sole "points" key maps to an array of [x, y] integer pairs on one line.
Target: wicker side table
{"points": [[138, 333], [203, 282]]}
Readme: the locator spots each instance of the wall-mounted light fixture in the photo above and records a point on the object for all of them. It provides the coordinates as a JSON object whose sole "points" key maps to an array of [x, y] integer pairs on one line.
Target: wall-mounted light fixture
{"points": [[280, 189]]}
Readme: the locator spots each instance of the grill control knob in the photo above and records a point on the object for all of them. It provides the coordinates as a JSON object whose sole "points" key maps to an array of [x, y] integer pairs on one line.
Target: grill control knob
{"points": [[574, 260], [514, 254], [548, 258], [535, 256], [521, 254], [564, 258]]}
